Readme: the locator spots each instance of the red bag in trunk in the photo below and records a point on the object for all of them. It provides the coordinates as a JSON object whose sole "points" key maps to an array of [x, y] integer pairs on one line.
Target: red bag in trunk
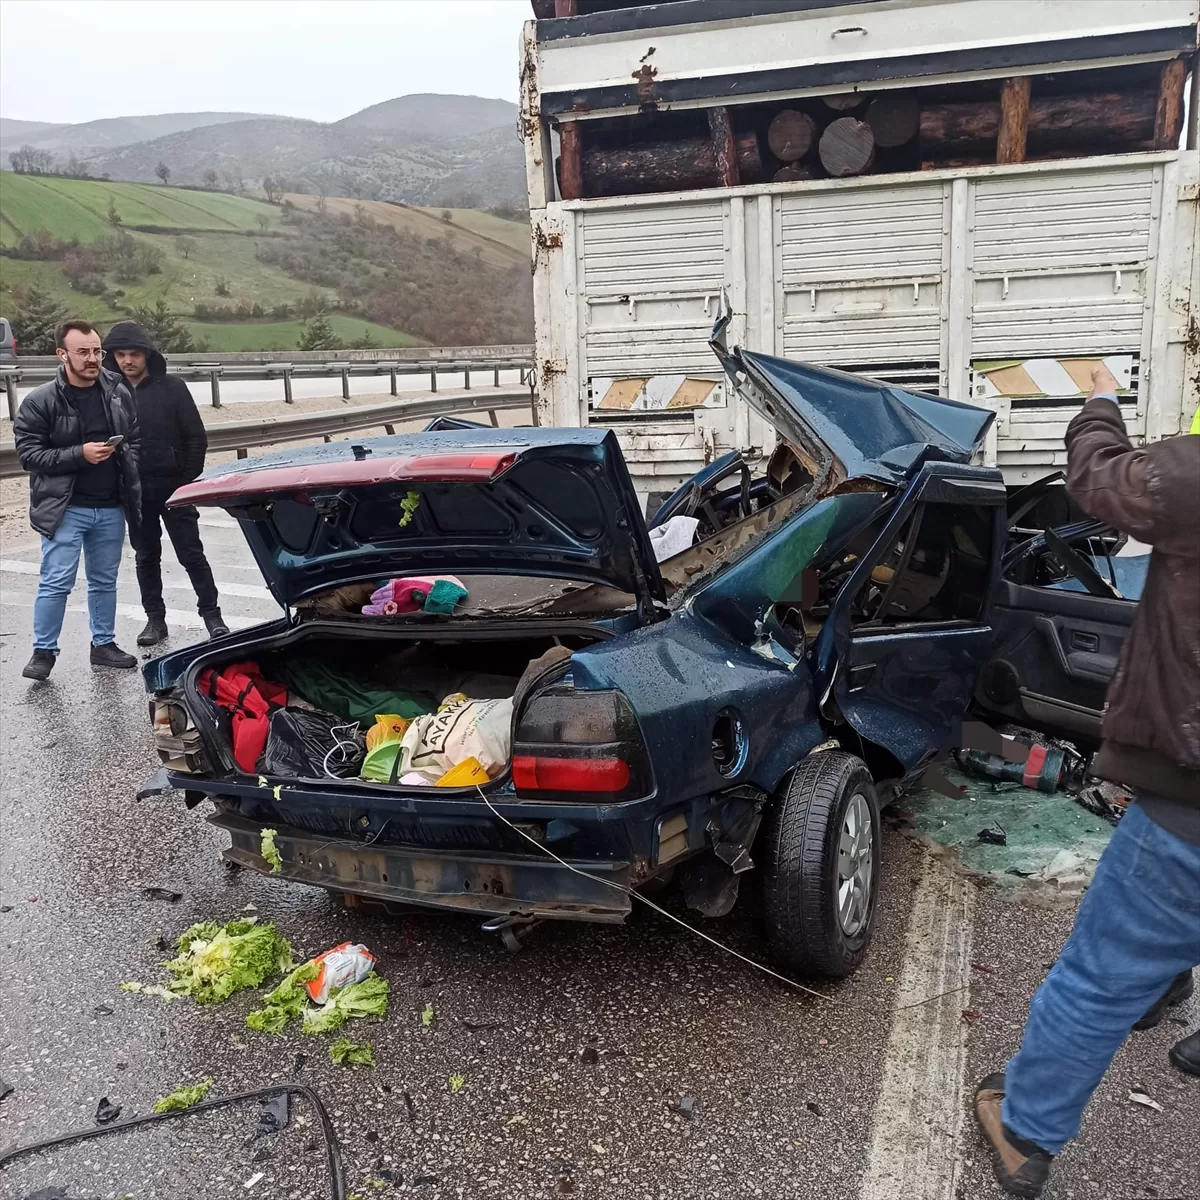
{"points": [[241, 688]]}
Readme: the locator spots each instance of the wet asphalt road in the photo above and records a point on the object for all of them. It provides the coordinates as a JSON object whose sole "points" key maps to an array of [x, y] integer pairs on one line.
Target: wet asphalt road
{"points": [[575, 1052]]}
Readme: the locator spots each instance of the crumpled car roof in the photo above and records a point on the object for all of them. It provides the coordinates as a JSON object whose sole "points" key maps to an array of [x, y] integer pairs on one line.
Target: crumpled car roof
{"points": [[876, 430]]}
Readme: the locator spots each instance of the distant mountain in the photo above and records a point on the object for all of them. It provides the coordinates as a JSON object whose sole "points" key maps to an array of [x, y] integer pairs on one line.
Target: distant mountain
{"points": [[436, 116], [91, 137], [451, 151]]}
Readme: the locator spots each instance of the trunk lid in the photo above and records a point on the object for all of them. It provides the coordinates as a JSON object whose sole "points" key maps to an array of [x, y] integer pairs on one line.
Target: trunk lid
{"points": [[847, 426], [553, 503]]}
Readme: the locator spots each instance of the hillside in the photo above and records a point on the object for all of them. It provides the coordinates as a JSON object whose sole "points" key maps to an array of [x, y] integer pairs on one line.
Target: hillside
{"points": [[452, 151], [244, 274], [435, 116], [91, 137]]}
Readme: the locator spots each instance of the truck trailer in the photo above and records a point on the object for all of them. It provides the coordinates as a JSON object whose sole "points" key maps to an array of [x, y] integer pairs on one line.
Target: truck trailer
{"points": [[974, 198]]}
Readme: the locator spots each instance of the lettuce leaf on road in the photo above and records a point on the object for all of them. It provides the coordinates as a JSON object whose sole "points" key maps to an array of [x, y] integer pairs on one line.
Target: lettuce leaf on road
{"points": [[285, 1003], [344, 1052], [182, 1098], [214, 961], [366, 999]]}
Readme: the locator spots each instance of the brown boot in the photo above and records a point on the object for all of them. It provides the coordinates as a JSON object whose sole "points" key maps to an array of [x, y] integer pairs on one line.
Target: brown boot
{"points": [[1021, 1168]]}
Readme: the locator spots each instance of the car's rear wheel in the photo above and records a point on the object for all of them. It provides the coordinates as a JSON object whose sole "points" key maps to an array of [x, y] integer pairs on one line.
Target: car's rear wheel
{"points": [[820, 866]]}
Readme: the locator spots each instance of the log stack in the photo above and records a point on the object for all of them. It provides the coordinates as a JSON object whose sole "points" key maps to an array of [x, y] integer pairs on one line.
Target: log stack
{"points": [[847, 134]]}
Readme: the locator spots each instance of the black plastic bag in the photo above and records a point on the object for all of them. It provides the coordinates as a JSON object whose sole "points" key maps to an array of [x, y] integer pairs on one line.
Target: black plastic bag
{"points": [[307, 743]]}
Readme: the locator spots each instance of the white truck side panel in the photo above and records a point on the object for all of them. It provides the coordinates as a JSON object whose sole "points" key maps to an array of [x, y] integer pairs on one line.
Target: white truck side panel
{"points": [[912, 278]]}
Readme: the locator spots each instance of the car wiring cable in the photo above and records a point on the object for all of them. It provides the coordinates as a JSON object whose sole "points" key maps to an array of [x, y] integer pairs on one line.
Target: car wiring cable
{"points": [[636, 895], [333, 1156]]}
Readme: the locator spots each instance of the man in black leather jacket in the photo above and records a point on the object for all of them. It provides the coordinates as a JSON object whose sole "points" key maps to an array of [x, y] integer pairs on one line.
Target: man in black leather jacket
{"points": [[174, 443], [78, 438]]}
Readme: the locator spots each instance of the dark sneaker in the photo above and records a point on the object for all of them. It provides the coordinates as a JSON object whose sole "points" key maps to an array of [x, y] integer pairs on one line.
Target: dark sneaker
{"points": [[1021, 1168], [1180, 989], [154, 632], [1185, 1054], [215, 624], [111, 655], [40, 665]]}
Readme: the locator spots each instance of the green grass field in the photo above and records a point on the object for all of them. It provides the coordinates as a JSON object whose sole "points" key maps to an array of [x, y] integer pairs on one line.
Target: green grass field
{"points": [[283, 335], [79, 208], [511, 233]]}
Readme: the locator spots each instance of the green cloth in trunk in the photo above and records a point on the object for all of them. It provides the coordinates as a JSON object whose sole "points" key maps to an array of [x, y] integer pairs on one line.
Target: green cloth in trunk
{"points": [[349, 695]]}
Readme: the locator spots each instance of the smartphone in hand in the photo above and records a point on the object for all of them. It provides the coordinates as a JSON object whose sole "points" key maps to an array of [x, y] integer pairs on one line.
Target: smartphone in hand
{"points": [[115, 440]]}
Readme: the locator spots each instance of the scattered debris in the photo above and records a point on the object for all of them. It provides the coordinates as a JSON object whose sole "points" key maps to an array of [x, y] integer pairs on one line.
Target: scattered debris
{"points": [[158, 893], [5, 908], [476, 1026], [253, 1179], [102, 1010], [565, 1186], [275, 1113], [1100, 801], [344, 1052], [269, 852], [456, 1084], [993, 836], [106, 1111], [285, 1003], [366, 999], [391, 1175], [685, 1106], [814, 1108], [6, 1088], [182, 1098], [214, 961], [980, 967], [427, 1015], [425, 1180], [971, 1014], [1140, 1096], [412, 1108], [148, 989], [261, 1155], [589, 1056]]}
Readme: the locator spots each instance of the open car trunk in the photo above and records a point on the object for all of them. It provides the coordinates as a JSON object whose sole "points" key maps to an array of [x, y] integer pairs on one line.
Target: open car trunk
{"points": [[299, 708]]}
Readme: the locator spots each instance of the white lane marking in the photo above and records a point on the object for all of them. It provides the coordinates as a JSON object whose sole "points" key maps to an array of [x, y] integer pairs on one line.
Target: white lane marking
{"points": [[253, 591], [918, 1117], [175, 616], [220, 522]]}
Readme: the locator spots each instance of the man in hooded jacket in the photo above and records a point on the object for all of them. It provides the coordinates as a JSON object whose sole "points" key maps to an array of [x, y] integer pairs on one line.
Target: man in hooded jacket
{"points": [[174, 443]]}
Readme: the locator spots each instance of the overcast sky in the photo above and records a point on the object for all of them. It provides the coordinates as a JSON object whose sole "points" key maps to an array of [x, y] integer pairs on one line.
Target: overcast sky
{"points": [[78, 60]]}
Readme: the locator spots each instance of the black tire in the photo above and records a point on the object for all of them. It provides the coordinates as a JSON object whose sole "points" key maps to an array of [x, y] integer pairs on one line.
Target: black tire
{"points": [[800, 844]]}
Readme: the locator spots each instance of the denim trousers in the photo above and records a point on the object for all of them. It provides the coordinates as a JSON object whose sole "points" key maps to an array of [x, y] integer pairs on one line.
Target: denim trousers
{"points": [[99, 535], [1137, 928]]}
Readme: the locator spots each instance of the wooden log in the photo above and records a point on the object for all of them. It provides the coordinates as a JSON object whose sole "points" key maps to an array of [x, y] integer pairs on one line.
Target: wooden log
{"points": [[791, 135], [843, 101], [1014, 120], [1168, 113], [847, 147], [664, 166], [720, 130], [1101, 118], [570, 175], [794, 172], [894, 118]]}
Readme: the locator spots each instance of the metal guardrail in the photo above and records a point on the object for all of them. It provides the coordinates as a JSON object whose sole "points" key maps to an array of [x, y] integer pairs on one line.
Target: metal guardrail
{"points": [[239, 367], [242, 435]]}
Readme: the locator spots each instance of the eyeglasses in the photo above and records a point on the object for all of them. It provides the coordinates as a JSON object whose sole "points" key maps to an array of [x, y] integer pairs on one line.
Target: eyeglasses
{"points": [[97, 354]]}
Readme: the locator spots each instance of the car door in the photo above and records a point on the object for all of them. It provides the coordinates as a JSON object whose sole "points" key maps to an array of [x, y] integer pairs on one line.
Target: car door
{"points": [[1063, 610], [911, 624]]}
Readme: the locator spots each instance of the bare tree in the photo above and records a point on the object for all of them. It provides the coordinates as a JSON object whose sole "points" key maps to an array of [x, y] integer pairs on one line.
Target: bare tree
{"points": [[210, 178], [163, 172], [272, 189], [322, 203], [264, 222], [185, 246]]}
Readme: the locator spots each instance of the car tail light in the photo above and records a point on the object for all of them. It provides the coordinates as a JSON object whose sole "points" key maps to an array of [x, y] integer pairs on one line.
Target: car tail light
{"points": [[580, 745], [176, 737]]}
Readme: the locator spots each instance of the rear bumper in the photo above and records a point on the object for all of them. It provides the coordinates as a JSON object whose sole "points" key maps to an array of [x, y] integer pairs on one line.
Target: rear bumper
{"points": [[477, 885]]}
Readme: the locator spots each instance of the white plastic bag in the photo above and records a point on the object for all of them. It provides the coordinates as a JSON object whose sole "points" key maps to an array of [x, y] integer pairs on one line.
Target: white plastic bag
{"points": [[460, 729]]}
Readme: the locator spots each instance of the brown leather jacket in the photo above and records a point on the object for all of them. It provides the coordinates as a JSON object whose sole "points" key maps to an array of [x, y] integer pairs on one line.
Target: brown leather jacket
{"points": [[1151, 724]]}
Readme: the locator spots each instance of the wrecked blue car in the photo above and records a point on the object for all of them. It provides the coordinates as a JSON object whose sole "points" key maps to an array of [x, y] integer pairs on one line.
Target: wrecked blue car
{"points": [[729, 717]]}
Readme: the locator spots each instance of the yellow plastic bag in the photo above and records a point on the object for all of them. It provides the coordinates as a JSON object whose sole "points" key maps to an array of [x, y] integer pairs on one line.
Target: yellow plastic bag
{"points": [[468, 773], [388, 727]]}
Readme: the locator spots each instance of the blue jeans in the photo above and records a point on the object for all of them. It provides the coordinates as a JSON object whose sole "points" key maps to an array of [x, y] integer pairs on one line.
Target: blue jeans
{"points": [[1137, 928], [99, 534]]}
